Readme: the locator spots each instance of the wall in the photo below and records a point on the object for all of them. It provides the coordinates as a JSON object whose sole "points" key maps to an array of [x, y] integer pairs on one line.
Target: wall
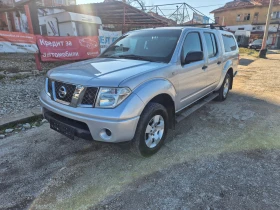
{"points": [[231, 15], [272, 27]]}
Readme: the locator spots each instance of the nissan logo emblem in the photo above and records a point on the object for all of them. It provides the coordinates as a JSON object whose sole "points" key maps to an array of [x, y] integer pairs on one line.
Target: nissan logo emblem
{"points": [[62, 92]]}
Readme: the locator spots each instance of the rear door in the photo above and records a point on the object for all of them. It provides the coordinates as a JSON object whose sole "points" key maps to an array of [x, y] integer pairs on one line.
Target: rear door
{"points": [[214, 59], [230, 50]]}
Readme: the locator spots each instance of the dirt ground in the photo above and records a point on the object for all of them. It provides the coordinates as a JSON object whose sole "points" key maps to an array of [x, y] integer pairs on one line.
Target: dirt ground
{"points": [[224, 156]]}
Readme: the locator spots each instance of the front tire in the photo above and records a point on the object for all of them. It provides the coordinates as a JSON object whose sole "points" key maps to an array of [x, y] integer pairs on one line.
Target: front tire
{"points": [[224, 89], [151, 130]]}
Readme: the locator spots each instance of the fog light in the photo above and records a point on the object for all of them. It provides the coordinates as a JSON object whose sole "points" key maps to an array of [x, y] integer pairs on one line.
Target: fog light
{"points": [[105, 134], [108, 132]]}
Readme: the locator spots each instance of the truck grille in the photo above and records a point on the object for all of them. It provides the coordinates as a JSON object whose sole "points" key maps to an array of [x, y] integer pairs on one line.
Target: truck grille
{"points": [[63, 93], [67, 95], [90, 95]]}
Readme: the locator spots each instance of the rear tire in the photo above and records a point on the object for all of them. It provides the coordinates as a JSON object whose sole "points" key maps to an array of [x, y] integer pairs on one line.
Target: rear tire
{"points": [[224, 89], [151, 130]]}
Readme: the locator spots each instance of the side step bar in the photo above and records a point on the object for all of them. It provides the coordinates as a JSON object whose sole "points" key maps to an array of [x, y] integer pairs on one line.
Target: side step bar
{"points": [[189, 110]]}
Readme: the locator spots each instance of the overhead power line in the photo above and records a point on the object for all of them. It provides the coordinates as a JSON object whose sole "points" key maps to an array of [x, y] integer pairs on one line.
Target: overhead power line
{"points": [[212, 5], [180, 12]]}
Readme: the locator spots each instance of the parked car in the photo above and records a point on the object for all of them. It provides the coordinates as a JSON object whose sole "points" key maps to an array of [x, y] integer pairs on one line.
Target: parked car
{"points": [[257, 44], [141, 85]]}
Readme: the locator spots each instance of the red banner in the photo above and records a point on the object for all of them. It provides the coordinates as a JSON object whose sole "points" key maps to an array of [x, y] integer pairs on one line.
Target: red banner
{"points": [[53, 48], [17, 42]]}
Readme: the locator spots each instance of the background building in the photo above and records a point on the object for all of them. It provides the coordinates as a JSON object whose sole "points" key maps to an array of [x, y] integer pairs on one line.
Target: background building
{"points": [[250, 16]]}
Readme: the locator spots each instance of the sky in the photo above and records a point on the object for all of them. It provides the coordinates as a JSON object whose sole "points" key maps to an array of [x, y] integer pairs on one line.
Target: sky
{"points": [[204, 6]]}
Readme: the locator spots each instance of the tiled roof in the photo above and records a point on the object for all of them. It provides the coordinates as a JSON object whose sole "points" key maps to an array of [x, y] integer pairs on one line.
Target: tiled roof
{"points": [[170, 21], [237, 4]]}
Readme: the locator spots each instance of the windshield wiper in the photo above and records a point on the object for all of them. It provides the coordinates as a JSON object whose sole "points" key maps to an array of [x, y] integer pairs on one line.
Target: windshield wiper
{"points": [[136, 57]]}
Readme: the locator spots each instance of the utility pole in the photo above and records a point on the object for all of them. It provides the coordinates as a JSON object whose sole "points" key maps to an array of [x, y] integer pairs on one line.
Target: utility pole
{"points": [[263, 51], [177, 14]]}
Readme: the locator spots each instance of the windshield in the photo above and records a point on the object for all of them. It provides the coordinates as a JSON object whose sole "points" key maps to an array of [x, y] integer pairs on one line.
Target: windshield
{"points": [[151, 45], [258, 41]]}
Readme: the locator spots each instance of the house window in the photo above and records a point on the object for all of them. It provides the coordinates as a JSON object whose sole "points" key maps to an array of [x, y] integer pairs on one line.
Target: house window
{"points": [[238, 18], [256, 16], [217, 19], [275, 15], [246, 16]]}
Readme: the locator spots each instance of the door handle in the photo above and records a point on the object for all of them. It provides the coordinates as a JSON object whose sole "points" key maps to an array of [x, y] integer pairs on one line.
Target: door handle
{"points": [[219, 62], [204, 67]]}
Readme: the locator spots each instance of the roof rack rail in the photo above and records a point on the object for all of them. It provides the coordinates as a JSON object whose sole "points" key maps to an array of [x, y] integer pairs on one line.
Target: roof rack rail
{"points": [[205, 25]]}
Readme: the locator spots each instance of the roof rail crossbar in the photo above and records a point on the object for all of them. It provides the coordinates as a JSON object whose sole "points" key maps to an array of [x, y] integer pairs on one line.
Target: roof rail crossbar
{"points": [[205, 25]]}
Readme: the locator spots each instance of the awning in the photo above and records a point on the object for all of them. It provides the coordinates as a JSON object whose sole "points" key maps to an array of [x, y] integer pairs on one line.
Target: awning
{"points": [[116, 12]]}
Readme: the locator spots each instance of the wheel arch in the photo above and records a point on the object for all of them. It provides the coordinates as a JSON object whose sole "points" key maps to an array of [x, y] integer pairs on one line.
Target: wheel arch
{"points": [[228, 67], [166, 100], [159, 91]]}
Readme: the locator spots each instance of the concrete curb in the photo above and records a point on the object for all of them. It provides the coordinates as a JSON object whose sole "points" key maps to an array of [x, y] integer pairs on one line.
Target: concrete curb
{"points": [[29, 115]]}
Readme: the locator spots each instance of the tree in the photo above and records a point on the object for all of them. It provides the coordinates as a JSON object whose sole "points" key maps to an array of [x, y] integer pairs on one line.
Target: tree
{"points": [[136, 3]]}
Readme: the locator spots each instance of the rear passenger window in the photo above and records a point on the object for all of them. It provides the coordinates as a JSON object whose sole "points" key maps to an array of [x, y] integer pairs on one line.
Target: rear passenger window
{"points": [[229, 43], [211, 44], [192, 43]]}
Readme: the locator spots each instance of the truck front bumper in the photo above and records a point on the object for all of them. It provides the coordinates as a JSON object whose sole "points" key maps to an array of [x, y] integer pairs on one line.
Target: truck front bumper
{"points": [[93, 123]]}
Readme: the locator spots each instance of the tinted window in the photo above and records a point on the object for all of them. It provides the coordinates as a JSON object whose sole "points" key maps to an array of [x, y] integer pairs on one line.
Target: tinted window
{"points": [[258, 41], [229, 43], [44, 30], [211, 44], [214, 41], [153, 45], [192, 43]]}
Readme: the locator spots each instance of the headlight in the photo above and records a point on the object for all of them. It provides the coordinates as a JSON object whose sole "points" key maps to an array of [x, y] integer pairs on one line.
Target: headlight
{"points": [[111, 97], [47, 88]]}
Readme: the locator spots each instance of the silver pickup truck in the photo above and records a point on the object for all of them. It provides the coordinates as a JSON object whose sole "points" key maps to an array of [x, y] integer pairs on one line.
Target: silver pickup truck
{"points": [[141, 85]]}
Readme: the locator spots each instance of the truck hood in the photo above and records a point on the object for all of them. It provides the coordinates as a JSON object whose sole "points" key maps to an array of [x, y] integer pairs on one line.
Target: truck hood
{"points": [[102, 71]]}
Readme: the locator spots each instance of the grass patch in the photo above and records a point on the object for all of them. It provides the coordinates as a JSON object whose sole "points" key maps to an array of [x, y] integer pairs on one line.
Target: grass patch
{"points": [[2, 76], [14, 69], [251, 52], [16, 77]]}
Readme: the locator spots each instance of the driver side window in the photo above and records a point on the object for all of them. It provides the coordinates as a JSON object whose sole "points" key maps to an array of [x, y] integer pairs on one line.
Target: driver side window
{"points": [[192, 43]]}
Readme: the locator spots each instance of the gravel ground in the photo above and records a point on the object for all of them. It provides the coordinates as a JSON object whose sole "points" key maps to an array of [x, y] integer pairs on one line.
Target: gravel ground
{"points": [[224, 156], [228, 181], [24, 62], [16, 96]]}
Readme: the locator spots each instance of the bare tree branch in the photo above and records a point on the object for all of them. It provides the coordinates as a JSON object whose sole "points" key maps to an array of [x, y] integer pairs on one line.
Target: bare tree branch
{"points": [[140, 3]]}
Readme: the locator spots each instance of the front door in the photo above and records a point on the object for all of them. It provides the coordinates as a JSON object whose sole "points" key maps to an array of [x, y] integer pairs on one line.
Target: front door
{"points": [[192, 77]]}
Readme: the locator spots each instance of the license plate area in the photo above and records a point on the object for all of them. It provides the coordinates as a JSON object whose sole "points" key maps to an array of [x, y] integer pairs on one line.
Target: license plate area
{"points": [[62, 128]]}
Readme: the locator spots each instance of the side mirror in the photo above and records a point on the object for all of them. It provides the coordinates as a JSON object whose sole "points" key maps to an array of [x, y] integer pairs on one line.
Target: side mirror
{"points": [[193, 57]]}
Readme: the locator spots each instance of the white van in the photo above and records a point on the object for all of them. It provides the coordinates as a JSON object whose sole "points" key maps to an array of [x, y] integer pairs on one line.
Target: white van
{"points": [[69, 24]]}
